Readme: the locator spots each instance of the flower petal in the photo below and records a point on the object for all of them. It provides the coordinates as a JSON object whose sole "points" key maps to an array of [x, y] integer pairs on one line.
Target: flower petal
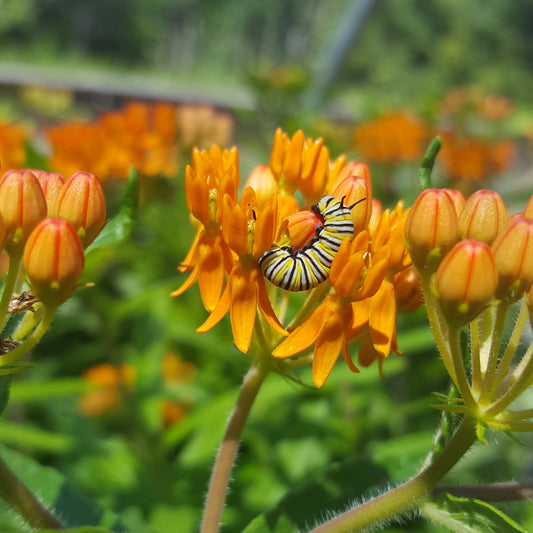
{"points": [[382, 319], [328, 346], [243, 308], [305, 334], [265, 306]]}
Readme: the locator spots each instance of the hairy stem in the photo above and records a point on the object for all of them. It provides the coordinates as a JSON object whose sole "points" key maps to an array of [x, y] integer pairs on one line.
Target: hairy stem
{"points": [[227, 453], [410, 494], [18, 496]]}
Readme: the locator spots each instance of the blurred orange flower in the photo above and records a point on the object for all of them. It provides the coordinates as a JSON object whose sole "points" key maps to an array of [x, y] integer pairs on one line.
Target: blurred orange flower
{"points": [[110, 383], [12, 151], [396, 136]]}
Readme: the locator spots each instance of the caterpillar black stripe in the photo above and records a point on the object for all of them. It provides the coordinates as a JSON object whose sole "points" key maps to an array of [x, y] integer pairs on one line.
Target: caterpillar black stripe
{"points": [[303, 269]]}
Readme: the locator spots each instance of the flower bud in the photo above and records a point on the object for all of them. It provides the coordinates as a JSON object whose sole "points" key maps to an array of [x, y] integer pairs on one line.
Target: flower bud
{"points": [[22, 206], [528, 210], [355, 187], [457, 198], [513, 252], [431, 228], [301, 227], [483, 217], [53, 260], [51, 184], [466, 280], [82, 202], [262, 181]]}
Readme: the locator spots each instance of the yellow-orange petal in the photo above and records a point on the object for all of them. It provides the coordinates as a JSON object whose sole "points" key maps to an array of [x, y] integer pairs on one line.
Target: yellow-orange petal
{"points": [[219, 312], [328, 346], [382, 321], [243, 307], [265, 307], [305, 334], [210, 271], [292, 164]]}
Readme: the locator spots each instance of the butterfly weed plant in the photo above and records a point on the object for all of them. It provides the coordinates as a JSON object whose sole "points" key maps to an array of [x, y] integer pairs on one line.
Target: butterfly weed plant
{"points": [[467, 261], [308, 224]]}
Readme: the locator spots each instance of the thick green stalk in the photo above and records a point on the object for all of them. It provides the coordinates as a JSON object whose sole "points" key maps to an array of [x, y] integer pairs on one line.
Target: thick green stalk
{"points": [[227, 453], [407, 496], [18, 496]]}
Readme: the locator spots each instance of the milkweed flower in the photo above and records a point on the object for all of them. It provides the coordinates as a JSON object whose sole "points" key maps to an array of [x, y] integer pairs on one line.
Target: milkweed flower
{"points": [[371, 267], [364, 274], [246, 288], [213, 175]]}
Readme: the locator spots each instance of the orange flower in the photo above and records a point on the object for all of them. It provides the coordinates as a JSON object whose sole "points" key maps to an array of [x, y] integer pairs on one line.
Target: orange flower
{"points": [[214, 175], [110, 383], [393, 137], [246, 287], [302, 164], [12, 150]]}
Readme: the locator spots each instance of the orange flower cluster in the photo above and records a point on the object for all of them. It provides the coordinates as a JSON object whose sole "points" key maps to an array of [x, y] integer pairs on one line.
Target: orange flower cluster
{"points": [[393, 137], [471, 99], [12, 151], [143, 135], [113, 384], [371, 277], [475, 159]]}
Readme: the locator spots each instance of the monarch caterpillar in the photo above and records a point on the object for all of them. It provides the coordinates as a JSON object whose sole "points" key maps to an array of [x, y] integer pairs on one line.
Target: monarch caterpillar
{"points": [[302, 269]]}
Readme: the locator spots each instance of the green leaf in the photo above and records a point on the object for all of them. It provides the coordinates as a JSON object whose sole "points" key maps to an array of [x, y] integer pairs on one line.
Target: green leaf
{"points": [[5, 387], [34, 158], [332, 491], [35, 391], [34, 438], [119, 228], [56, 493], [466, 515]]}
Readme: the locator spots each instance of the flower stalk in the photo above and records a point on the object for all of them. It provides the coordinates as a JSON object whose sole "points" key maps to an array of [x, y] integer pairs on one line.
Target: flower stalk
{"points": [[410, 494], [220, 476], [18, 496]]}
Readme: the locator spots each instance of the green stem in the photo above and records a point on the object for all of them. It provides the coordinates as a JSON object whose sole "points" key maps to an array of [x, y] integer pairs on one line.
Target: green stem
{"points": [[514, 340], [27, 323], [227, 453], [316, 296], [489, 371], [18, 496], [410, 494], [459, 366], [35, 336], [438, 327], [15, 258], [475, 351]]}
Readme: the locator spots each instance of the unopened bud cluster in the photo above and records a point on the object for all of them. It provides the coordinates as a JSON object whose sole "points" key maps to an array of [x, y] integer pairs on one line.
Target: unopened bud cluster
{"points": [[49, 221], [476, 251]]}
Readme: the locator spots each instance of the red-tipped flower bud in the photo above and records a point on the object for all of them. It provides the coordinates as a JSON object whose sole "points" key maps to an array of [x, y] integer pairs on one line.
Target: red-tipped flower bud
{"points": [[51, 184], [431, 228], [82, 202], [513, 252], [53, 260], [483, 217], [355, 186], [457, 198], [262, 181], [528, 210], [466, 280], [22, 205]]}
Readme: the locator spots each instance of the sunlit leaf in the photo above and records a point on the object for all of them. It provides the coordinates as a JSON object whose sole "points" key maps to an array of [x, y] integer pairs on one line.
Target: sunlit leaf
{"points": [[465, 515]]}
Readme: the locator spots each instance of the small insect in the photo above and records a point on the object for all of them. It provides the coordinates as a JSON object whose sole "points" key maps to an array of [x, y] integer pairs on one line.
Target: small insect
{"points": [[303, 269]]}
